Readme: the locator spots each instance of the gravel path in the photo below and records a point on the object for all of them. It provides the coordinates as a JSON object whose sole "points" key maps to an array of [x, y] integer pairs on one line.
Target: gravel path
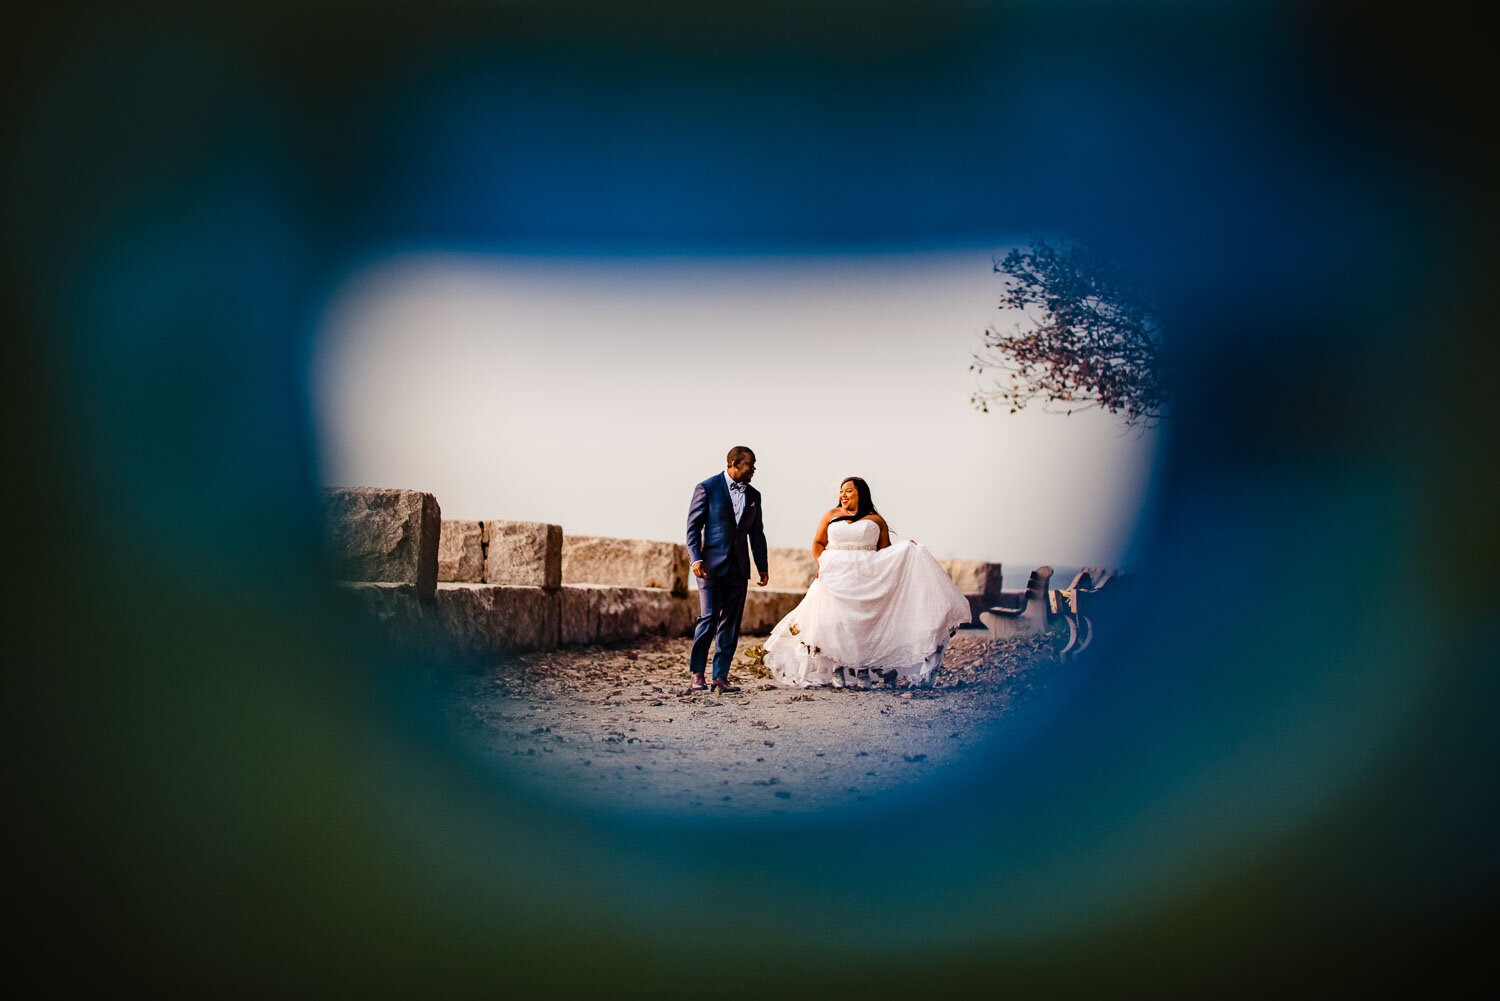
{"points": [[614, 728]]}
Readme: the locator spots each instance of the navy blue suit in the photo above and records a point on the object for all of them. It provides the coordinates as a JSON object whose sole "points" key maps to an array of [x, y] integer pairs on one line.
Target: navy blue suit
{"points": [[724, 547]]}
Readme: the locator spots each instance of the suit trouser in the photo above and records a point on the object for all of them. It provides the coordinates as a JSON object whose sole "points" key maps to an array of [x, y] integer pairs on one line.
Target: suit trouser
{"points": [[721, 600]]}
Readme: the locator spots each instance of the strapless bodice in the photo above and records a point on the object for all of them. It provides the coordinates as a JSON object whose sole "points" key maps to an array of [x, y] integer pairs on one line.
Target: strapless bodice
{"points": [[862, 534]]}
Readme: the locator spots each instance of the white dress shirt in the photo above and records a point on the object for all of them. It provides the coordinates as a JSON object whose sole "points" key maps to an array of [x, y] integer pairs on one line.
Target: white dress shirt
{"points": [[736, 496]]}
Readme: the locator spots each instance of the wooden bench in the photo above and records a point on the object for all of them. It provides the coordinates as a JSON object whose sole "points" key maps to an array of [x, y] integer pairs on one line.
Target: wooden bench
{"points": [[1020, 613], [1069, 602]]}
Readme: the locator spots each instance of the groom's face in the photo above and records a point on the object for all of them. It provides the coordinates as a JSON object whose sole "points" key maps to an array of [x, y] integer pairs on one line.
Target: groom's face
{"points": [[744, 470]]}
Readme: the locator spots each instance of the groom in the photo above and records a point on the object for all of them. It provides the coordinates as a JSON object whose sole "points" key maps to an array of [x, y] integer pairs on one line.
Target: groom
{"points": [[724, 513]]}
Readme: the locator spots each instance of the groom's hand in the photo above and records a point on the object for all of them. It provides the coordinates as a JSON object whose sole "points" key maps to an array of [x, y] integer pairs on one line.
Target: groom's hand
{"points": [[698, 570], [763, 578]]}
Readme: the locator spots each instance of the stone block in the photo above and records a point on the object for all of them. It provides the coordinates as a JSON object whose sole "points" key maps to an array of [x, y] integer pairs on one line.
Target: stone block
{"points": [[655, 606], [491, 619], [590, 559], [381, 535], [393, 611], [595, 613], [525, 618], [684, 615], [791, 569], [523, 553], [461, 552], [579, 614], [463, 615], [974, 576], [764, 607]]}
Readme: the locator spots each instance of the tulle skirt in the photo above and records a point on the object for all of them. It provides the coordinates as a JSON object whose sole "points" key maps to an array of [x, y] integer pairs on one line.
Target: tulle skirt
{"points": [[867, 614]]}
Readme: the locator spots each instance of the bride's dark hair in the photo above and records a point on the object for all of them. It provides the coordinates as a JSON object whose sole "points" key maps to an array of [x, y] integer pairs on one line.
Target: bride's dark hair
{"points": [[862, 505]]}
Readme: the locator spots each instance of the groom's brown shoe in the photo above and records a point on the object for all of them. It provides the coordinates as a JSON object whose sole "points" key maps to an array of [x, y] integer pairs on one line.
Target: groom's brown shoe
{"points": [[723, 685], [697, 684]]}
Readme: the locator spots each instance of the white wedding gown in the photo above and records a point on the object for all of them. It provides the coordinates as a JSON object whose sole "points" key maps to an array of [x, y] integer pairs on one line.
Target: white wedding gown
{"points": [[868, 612]]}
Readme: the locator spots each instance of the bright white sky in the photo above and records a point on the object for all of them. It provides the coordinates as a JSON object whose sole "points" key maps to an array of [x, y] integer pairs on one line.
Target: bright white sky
{"points": [[595, 392]]}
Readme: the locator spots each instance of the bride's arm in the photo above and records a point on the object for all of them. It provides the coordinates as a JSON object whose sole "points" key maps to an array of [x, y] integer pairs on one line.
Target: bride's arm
{"points": [[820, 540], [885, 532]]}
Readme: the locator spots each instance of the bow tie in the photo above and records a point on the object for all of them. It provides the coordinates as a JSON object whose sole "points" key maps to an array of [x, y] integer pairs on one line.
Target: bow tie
{"points": [[738, 488]]}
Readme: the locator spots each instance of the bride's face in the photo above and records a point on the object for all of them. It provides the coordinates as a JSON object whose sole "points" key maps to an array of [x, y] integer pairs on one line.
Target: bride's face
{"points": [[848, 497]]}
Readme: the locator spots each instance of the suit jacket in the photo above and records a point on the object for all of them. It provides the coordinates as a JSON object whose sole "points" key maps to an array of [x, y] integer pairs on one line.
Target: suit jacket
{"points": [[713, 536]]}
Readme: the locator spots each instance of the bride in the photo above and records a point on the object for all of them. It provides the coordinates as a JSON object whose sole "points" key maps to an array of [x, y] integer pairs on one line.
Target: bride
{"points": [[875, 610]]}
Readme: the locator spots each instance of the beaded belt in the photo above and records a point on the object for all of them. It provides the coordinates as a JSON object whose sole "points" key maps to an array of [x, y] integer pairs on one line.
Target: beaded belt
{"points": [[847, 545]]}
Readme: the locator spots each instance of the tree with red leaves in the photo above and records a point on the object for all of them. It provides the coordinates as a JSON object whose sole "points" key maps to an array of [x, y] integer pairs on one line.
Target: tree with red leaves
{"points": [[1089, 337]]}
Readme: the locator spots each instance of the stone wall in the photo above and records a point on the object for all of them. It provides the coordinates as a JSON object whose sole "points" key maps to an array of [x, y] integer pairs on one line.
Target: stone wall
{"points": [[513, 586], [484, 621]]}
